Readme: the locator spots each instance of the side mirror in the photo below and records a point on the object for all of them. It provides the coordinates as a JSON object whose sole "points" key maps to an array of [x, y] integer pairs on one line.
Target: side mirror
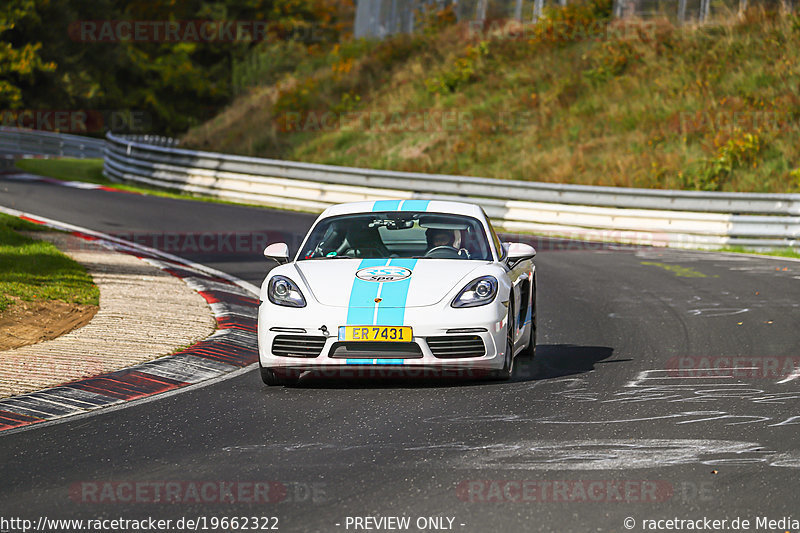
{"points": [[278, 251], [517, 251]]}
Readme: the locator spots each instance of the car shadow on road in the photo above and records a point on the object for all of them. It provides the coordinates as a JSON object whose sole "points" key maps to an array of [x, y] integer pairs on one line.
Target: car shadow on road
{"points": [[551, 361], [558, 360]]}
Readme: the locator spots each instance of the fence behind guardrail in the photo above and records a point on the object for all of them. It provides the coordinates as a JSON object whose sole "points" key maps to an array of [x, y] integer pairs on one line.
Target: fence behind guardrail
{"points": [[16, 142]]}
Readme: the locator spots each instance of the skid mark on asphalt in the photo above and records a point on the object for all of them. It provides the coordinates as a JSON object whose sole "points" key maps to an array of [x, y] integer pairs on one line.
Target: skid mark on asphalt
{"points": [[673, 255], [622, 454], [791, 377], [685, 301], [717, 311], [659, 387], [589, 454], [753, 264], [745, 402]]}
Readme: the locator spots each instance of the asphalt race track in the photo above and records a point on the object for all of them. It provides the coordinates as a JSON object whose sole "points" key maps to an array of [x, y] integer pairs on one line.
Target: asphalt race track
{"points": [[602, 426]]}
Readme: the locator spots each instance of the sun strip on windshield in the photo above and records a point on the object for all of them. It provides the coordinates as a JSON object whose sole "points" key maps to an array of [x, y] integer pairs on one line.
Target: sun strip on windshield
{"points": [[400, 205]]}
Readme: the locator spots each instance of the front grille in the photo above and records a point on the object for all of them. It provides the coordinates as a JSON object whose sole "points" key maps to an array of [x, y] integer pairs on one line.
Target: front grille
{"points": [[454, 346], [298, 345], [376, 350]]}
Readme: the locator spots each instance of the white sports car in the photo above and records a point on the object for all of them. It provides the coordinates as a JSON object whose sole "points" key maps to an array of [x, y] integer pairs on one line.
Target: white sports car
{"points": [[403, 284]]}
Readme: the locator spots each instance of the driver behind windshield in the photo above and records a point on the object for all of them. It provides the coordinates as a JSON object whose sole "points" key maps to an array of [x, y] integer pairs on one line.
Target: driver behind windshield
{"points": [[440, 237]]}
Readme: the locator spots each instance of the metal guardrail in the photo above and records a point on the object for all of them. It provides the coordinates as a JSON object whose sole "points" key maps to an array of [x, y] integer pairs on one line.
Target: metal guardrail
{"points": [[686, 219], [20, 142], [156, 140]]}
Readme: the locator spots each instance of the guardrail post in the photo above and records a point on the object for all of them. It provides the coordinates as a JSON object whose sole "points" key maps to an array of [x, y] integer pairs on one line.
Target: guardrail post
{"points": [[704, 10], [538, 7]]}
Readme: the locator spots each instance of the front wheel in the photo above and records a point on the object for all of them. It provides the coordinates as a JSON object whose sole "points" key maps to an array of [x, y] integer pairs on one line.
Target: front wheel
{"points": [[274, 377], [504, 374]]}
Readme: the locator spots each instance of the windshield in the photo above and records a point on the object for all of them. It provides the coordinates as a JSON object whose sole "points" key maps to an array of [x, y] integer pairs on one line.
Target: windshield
{"points": [[409, 234]]}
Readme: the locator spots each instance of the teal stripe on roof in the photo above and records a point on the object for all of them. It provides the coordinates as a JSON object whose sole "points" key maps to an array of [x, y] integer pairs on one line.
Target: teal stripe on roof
{"points": [[415, 205], [386, 205]]}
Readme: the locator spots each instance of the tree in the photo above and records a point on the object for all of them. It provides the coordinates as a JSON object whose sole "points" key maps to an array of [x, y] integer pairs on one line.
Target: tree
{"points": [[19, 61]]}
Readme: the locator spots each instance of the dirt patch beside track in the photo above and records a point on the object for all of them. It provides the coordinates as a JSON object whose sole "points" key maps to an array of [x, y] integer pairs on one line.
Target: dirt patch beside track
{"points": [[26, 323]]}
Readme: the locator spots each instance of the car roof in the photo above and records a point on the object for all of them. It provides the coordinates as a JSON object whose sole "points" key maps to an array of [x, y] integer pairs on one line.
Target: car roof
{"points": [[431, 206]]}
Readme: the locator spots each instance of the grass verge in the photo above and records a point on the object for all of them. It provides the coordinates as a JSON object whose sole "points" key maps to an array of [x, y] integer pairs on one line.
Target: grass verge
{"points": [[86, 170], [784, 252], [577, 97], [36, 270]]}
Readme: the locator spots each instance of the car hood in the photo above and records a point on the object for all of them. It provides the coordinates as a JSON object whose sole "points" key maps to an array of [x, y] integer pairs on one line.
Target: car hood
{"points": [[334, 282]]}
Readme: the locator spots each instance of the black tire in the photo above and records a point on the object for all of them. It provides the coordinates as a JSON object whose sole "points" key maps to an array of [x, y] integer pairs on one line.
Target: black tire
{"points": [[530, 350], [504, 374], [273, 377]]}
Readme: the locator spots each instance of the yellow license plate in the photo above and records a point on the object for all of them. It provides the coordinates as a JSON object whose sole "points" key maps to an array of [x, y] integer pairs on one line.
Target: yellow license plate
{"points": [[375, 333]]}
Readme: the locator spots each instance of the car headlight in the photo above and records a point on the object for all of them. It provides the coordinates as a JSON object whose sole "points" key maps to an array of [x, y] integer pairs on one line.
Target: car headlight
{"points": [[283, 291], [479, 291]]}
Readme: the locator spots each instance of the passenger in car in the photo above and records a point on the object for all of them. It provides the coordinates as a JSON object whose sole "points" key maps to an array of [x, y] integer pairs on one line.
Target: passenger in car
{"points": [[365, 242]]}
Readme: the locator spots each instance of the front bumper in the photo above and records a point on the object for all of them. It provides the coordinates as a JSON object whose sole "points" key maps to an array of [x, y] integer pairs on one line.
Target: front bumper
{"points": [[311, 336]]}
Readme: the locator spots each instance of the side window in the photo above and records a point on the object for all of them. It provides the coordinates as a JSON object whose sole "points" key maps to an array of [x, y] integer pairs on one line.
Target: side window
{"points": [[495, 239]]}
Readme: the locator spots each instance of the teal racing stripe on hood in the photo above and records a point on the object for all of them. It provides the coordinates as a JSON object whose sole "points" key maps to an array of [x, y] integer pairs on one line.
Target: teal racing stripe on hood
{"points": [[392, 308], [357, 314]]}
